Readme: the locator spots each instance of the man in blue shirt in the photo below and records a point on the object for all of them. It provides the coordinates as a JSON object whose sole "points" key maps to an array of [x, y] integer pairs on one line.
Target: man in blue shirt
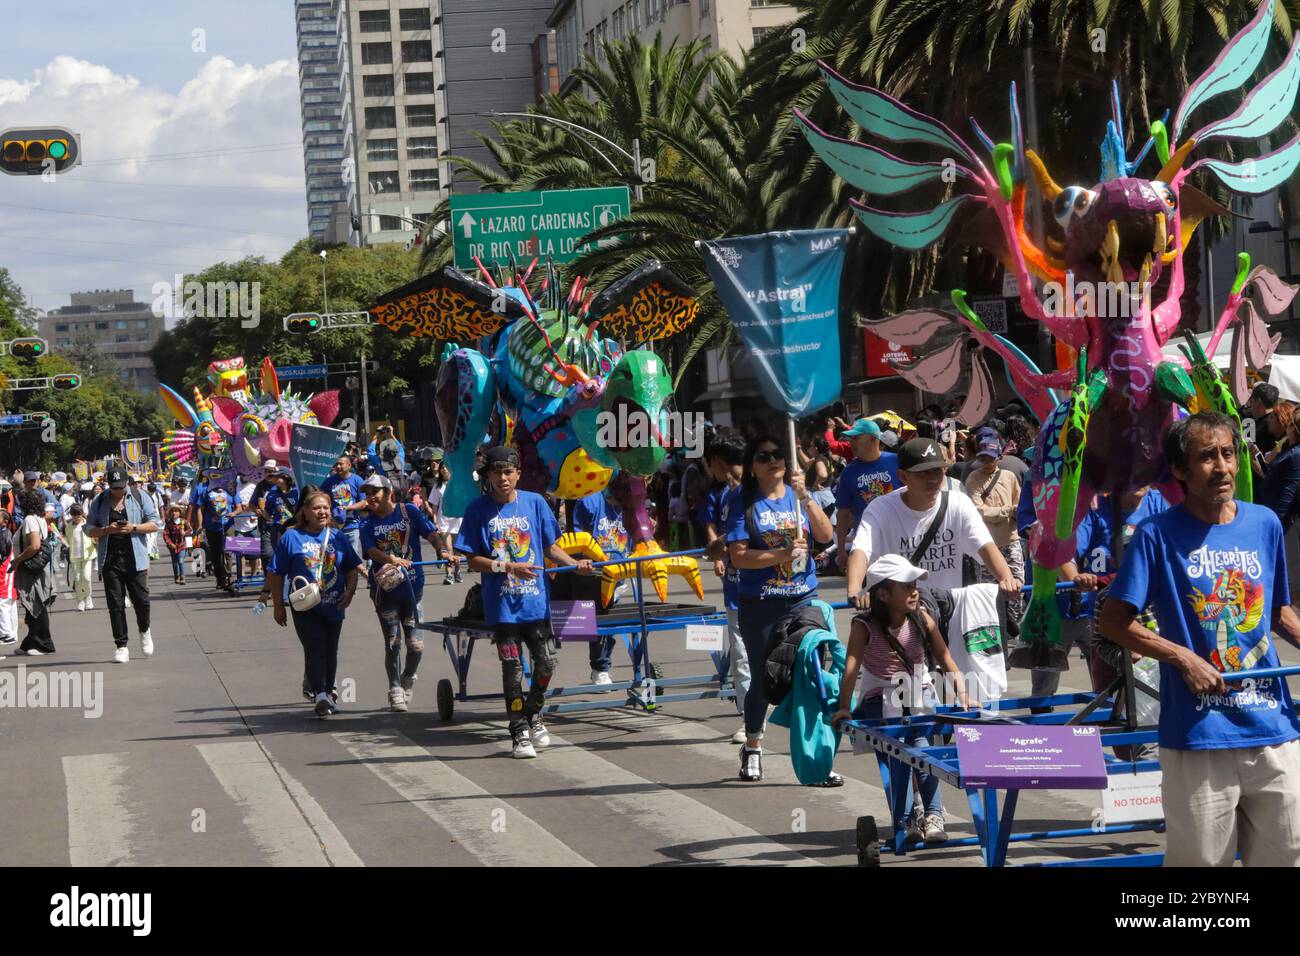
{"points": [[210, 508], [506, 534], [349, 501], [390, 535], [1215, 570], [594, 515], [872, 473]]}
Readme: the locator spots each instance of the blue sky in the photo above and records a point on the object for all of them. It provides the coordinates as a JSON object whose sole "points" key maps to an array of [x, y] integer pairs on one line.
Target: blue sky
{"points": [[127, 77]]}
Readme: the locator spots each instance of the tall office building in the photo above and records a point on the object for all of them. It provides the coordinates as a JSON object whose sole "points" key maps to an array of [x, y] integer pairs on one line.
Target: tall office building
{"points": [[109, 322], [322, 126], [492, 65], [392, 96], [581, 26]]}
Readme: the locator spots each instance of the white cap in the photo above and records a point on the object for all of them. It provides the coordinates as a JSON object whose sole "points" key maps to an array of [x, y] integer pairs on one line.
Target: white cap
{"points": [[893, 567]]}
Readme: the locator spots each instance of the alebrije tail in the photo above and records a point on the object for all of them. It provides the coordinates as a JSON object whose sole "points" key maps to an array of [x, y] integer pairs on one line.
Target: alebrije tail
{"points": [[1041, 641]]}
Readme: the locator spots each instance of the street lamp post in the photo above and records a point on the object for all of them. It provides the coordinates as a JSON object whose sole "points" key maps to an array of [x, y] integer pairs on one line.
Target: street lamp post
{"points": [[323, 290], [633, 157]]}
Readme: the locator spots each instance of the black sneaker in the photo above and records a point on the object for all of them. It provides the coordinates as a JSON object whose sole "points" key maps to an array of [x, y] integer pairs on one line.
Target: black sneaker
{"points": [[307, 693], [751, 764]]}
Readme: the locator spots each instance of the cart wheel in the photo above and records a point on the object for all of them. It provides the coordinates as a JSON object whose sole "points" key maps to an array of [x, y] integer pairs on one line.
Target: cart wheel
{"points": [[446, 699], [657, 671], [868, 842]]}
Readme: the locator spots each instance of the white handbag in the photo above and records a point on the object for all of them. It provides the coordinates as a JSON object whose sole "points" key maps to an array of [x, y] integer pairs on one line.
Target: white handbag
{"points": [[306, 596]]}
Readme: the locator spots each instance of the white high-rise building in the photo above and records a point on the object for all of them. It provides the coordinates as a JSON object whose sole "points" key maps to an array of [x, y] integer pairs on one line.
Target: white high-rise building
{"points": [[581, 26]]}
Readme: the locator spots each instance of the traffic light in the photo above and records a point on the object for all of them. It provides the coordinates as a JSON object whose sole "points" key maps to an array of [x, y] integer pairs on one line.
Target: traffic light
{"points": [[66, 382], [28, 348], [303, 323], [35, 150]]}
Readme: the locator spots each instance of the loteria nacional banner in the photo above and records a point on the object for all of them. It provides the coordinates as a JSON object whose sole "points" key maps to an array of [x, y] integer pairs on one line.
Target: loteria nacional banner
{"points": [[782, 291]]}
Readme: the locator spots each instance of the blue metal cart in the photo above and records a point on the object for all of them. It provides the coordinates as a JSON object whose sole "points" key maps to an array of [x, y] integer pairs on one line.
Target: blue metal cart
{"points": [[994, 826], [633, 625]]}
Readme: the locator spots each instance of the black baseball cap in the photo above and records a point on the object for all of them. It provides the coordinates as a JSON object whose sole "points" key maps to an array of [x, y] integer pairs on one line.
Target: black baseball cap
{"points": [[501, 455], [117, 478], [921, 454]]}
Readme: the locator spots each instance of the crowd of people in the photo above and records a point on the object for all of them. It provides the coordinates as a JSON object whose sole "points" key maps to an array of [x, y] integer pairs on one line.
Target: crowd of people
{"points": [[927, 519]]}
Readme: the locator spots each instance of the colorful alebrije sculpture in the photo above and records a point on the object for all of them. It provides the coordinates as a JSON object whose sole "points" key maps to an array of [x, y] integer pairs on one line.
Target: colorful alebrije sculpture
{"points": [[243, 428], [1107, 249], [539, 379]]}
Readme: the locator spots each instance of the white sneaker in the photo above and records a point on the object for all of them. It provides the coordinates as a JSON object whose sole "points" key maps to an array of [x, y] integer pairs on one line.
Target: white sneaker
{"points": [[81, 605], [128, 602], [537, 732], [121, 656], [932, 828], [408, 686], [601, 678], [521, 747], [739, 737], [397, 700], [146, 643], [324, 706], [90, 605]]}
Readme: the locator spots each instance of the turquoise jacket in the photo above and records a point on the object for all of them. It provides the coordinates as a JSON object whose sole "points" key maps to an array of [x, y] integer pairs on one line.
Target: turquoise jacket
{"points": [[813, 698]]}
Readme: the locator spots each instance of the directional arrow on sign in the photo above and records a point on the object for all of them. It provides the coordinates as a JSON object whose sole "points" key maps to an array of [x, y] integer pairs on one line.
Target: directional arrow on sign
{"points": [[467, 222]]}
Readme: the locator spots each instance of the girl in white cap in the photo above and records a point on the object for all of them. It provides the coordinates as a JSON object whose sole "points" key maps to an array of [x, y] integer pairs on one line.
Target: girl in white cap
{"points": [[896, 646]]}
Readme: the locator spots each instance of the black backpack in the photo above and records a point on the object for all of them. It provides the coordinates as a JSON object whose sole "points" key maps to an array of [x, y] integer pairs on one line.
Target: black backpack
{"points": [[472, 610], [782, 650]]}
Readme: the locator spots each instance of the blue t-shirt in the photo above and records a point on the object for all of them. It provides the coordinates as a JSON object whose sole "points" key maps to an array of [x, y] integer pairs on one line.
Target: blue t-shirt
{"points": [[299, 554], [773, 528], [344, 492], [594, 515], [1214, 588], [281, 506], [393, 535], [721, 500], [215, 505], [861, 481], [522, 530]]}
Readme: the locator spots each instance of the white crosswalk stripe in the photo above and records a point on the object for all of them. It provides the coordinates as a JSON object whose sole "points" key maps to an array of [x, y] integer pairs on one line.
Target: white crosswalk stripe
{"points": [[286, 822], [458, 805], [688, 825], [101, 823]]}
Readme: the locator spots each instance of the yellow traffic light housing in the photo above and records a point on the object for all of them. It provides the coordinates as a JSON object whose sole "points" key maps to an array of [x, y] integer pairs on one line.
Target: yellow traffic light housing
{"points": [[36, 150]]}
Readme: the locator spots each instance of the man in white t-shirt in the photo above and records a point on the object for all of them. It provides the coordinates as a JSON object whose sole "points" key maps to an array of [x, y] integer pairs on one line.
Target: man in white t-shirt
{"points": [[898, 522]]}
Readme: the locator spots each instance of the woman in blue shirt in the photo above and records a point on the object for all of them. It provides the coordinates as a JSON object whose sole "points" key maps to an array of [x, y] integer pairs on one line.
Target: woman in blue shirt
{"points": [[312, 550], [767, 539]]}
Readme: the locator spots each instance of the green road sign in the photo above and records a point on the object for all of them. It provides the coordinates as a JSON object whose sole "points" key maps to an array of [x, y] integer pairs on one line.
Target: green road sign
{"points": [[494, 226]]}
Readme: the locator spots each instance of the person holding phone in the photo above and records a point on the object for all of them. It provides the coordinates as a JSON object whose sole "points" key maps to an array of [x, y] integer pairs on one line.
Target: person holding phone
{"points": [[123, 523], [768, 526]]}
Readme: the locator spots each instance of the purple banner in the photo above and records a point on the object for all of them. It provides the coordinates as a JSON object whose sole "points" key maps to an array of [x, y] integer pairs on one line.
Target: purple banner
{"points": [[574, 620], [1025, 757], [243, 544]]}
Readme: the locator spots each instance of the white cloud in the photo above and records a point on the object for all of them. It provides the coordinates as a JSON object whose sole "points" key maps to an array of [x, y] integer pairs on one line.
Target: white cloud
{"points": [[224, 106]]}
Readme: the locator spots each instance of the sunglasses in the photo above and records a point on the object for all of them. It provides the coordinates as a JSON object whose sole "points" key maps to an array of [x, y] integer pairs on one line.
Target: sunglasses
{"points": [[764, 457]]}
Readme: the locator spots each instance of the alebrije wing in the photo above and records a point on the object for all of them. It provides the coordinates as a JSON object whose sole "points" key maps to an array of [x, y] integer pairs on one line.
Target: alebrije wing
{"points": [[1231, 69], [180, 409], [646, 304], [937, 372], [913, 327], [979, 393], [447, 304]]}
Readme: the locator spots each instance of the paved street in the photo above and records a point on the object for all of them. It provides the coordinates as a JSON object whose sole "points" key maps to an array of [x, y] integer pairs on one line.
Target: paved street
{"points": [[205, 754]]}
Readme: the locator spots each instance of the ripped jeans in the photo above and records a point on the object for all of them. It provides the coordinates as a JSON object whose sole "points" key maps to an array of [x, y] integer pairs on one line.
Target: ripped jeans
{"points": [[396, 610], [537, 638]]}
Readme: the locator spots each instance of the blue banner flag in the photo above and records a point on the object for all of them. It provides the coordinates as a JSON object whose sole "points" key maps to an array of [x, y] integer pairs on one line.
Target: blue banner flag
{"points": [[313, 450], [782, 291]]}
